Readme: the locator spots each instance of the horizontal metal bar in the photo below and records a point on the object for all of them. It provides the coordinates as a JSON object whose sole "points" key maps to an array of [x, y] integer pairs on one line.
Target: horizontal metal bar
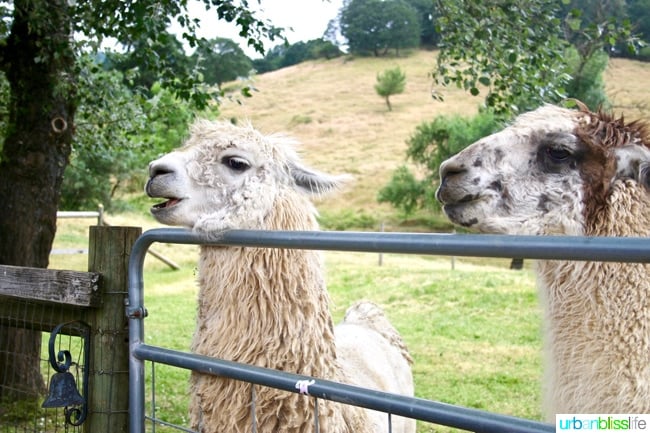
{"points": [[77, 214], [617, 249], [435, 412], [168, 424]]}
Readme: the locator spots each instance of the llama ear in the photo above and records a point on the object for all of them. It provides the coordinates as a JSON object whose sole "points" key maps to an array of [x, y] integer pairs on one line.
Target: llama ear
{"points": [[633, 162], [315, 182]]}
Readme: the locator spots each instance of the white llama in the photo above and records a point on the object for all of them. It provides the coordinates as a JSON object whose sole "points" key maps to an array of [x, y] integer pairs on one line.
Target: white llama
{"points": [[269, 307], [556, 171]]}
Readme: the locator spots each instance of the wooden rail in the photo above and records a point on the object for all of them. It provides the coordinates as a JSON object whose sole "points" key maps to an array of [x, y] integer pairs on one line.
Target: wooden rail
{"points": [[41, 299], [50, 285], [99, 214]]}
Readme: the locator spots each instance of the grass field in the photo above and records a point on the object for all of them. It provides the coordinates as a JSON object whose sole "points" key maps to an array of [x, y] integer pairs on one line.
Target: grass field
{"points": [[474, 330]]}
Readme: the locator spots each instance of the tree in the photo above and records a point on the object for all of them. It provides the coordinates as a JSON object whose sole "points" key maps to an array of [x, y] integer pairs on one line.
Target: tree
{"points": [[295, 53], [310, 50], [140, 74], [38, 57], [639, 15], [272, 60], [221, 60], [376, 26], [515, 51], [324, 49], [106, 117], [586, 83], [390, 82], [425, 11], [118, 131], [594, 32], [285, 55], [402, 25], [510, 50], [333, 31]]}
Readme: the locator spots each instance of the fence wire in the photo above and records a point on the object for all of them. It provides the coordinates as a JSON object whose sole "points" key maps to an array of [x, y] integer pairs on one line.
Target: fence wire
{"points": [[22, 391]]}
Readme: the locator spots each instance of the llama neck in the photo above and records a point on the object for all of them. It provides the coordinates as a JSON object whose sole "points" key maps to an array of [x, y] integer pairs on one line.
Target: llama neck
{"points": [[597, 319], [266, 307]]}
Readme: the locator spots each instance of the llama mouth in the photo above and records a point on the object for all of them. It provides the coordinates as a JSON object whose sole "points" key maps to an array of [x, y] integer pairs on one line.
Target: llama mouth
{"points": [[468, 198], [166, 204], [456, 210]]}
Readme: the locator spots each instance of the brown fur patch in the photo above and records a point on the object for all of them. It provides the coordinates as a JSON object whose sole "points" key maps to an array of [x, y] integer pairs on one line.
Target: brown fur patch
{"points": [[601, 132]]}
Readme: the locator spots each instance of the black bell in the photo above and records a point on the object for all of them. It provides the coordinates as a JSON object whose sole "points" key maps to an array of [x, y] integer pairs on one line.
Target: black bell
{"points": [[63, 391]]}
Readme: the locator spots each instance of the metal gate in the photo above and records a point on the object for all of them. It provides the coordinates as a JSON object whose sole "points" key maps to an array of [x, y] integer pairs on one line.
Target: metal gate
{"points": [[534, 247]]}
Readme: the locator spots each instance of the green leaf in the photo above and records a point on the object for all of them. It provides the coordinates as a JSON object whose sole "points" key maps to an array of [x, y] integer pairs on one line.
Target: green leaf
{"points": [[574, 24]]}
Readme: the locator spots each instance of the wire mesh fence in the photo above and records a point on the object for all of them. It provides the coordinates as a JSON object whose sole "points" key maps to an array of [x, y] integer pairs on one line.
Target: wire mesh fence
{"points": [[26, 371], [52, 324]]}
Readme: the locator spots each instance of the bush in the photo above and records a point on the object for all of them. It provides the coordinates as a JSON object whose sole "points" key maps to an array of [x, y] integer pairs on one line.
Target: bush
{"points": [[644, 54], [347, 220], [432, 143], [405, 192], [445, 136]]}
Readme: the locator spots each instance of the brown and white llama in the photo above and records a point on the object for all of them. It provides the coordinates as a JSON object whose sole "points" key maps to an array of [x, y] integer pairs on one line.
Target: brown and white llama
{"points": [[269, 307], [556, 171]]}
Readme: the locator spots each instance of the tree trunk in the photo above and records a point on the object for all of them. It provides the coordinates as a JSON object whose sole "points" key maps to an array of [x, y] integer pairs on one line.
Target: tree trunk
{"points": [[390, 107], [38, 61]]}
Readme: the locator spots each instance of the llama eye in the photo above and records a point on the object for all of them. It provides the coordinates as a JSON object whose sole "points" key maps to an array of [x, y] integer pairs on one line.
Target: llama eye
{"points": [[235, 163], [558, 154]]}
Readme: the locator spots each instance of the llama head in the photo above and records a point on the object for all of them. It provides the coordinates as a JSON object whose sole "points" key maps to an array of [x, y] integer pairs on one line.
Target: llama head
{"points": [[229, 177], [551, 172]]}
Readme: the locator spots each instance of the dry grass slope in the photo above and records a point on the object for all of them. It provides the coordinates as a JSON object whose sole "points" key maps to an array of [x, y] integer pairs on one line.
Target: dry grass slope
{"points": [[344, 126]]}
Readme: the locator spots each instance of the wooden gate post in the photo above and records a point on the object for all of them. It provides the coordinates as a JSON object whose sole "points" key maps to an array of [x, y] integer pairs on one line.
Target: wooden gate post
{"points": [[108, 379]]}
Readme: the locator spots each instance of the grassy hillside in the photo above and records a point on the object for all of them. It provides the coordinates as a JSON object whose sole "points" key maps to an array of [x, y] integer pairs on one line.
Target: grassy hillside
{"points": [[472, 326], [331, 107]]}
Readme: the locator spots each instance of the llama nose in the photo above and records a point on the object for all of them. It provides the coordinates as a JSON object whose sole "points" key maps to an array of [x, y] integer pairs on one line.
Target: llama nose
{"points": [[157, 168], [449, 168]]}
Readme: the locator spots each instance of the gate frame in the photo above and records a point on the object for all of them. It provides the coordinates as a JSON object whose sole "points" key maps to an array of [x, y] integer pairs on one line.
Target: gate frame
{"points": [[503, 246]]}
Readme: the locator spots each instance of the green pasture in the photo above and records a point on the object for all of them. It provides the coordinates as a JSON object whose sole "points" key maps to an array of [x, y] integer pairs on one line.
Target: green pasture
{"points": [[472, 325]]}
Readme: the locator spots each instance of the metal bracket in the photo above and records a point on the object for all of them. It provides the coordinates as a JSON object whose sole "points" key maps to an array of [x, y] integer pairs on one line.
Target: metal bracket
{"points": [[136, 313]]}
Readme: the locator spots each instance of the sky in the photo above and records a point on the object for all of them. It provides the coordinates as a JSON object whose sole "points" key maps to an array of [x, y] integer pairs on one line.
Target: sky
{"points": [[303, 20]]}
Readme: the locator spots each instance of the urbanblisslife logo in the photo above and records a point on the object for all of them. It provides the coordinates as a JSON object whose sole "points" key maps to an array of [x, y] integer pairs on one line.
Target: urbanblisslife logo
{"points": [[631, 423]]}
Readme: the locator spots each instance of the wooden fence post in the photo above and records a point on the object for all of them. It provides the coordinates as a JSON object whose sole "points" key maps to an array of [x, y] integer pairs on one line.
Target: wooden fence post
{"points": [[108, 379]]}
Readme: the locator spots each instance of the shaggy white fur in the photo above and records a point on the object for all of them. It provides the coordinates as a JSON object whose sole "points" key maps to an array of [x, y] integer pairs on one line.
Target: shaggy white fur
{"points": [[270, 307], [573, 172]]}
